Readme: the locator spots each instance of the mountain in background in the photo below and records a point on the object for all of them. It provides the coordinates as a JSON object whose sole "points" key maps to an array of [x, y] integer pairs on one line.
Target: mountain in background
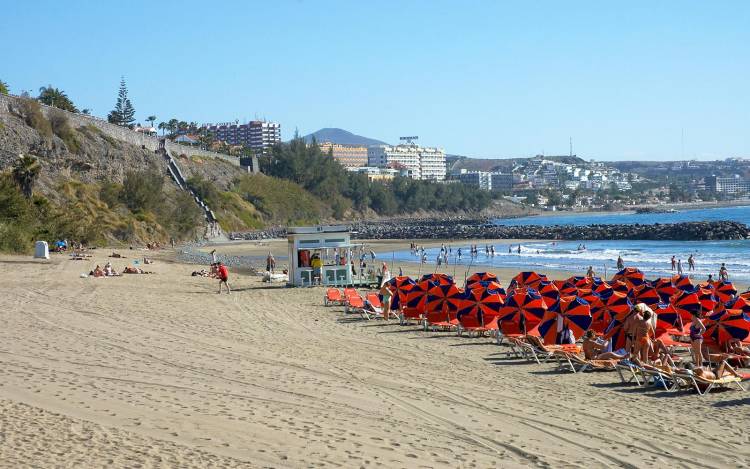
{"points": [[341, 136]]}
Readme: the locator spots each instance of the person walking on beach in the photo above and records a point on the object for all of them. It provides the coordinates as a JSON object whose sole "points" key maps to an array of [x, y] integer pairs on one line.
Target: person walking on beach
{"points": [[458, 254], [213, 256], [519, 249], [492, 250], [590, 273], [620, 263], [270, 263], [691, 262], [223, 278], [723, 273], [679, 266], [673, 262]]}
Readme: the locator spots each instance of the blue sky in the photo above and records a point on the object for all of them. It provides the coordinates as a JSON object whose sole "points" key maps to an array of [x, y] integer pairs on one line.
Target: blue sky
{"points": [[479, 78]]}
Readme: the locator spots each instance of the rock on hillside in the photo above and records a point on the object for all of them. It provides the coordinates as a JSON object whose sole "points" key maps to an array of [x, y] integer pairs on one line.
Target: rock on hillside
{"points": [[97, 157]]}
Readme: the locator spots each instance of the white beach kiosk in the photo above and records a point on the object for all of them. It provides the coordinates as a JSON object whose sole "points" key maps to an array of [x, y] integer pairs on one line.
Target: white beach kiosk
{"points": [[332, 245]]}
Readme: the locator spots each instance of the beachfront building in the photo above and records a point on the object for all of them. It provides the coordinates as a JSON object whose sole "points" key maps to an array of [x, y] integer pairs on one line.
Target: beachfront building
{"points": [[727, 185], [259, 136], [424, 163], [379, 174], [502, 182], [350, 156], [478, 179], [324, 255]]}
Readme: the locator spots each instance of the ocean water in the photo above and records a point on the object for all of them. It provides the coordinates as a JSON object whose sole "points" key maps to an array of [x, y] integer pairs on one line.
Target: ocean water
{"points": [[652, 257]]}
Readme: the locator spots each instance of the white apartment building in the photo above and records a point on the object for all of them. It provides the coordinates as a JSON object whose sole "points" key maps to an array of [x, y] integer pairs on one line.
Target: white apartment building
{"points": [[424, 163]]}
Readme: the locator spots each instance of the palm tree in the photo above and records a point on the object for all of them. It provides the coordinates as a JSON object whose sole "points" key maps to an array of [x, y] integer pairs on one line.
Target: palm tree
{"points": [[162, 126], [25, 173], [172, 125], [151, 119], [55, 97]]}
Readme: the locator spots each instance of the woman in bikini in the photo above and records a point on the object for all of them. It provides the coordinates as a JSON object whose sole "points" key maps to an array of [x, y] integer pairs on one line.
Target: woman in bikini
{"points": [[643, 330], [696, 338]]}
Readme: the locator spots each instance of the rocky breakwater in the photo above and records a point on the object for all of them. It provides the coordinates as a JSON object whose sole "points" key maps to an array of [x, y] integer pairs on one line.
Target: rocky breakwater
{"points": [[689, 231]]}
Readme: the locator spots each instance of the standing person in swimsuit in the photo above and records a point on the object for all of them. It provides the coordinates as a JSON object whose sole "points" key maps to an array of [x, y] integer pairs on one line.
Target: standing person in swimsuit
{"points": [[387, 300], [696, 338], [629, 328], [643, 330]]}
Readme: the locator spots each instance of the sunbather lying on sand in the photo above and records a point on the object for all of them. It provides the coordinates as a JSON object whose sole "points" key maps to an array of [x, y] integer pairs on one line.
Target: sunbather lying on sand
{"points": [[592, 349], [117, 255], [200, 273], [135, 270]]}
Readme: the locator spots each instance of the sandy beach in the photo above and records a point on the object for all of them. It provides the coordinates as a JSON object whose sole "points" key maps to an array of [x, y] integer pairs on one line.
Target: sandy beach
{"points": [[160, 371]]}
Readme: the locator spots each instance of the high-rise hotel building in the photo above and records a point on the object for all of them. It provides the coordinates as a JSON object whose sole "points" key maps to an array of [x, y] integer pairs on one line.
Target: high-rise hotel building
{"points": [[424, 163], [350, 156], [259, 136]]}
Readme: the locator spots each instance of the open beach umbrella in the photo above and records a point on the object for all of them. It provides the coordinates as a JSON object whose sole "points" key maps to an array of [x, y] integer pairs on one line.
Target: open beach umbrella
{"points": [[620, 286], [667, 317], [738, 303], [416, 298], [527, 279], [724, 291], [481, 277], [480, 304], [442, 279], [683, 282], [604, 290], [631, 276], [580, 281], [615, 333], [399, 286], [595, 301], [686, 304], [731, 324], [575, 314], [665, 287], [619, 305], [490, 285], [443, 298], [566, 287], [523, 306], [707, 299], [647, 294], [549, 292]]}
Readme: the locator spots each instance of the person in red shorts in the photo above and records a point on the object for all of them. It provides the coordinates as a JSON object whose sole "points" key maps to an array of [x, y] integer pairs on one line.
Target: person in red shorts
{"points": [[223, 277]]}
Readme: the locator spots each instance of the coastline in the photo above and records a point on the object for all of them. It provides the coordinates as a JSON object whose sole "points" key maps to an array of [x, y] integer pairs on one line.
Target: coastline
{"points": [[385, 249], [633, 208]]}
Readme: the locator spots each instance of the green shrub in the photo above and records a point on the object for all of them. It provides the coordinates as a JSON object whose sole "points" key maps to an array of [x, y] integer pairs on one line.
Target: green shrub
{"points": [[281, 201], [33, 116], [62, 128], [142, 190], [110, 194]]}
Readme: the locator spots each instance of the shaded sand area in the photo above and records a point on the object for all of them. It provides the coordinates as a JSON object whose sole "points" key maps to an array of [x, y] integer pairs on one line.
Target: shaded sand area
{"points": [[159, 370]]}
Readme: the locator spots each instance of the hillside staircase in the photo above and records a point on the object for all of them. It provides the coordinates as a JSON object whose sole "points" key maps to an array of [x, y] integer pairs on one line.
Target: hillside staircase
{"points": [[179, 179]]}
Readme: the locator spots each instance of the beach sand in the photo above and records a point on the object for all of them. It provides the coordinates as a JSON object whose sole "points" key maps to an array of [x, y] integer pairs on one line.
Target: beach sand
{"points": [[160, 371]]}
